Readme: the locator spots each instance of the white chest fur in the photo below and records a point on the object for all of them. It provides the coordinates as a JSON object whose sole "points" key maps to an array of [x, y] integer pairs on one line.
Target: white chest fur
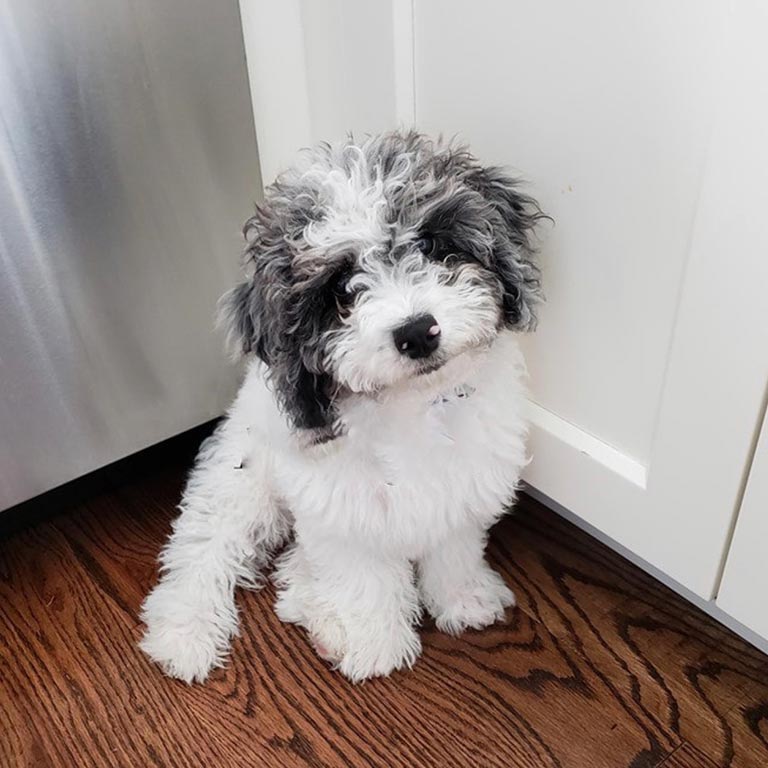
{"points": [[414, 465]]}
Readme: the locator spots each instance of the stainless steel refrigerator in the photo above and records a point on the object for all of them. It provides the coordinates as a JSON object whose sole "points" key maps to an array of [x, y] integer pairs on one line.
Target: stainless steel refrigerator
{"points": [[127, 165]]}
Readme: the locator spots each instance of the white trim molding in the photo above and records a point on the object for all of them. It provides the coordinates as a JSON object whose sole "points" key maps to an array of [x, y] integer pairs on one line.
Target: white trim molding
{"points": [[588, 445]]}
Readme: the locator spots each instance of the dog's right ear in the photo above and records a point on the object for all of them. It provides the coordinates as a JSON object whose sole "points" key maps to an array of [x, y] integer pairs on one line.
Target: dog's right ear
{"points": [[239, 314], [243, 312]]}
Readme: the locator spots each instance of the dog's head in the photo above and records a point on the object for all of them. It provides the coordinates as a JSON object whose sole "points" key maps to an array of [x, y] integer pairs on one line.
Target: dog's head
{"points": [[378, 262]]}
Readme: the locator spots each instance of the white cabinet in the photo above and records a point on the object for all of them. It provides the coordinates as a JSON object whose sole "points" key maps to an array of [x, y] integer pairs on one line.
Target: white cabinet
{"points": [[744, 590], [641, 128]]}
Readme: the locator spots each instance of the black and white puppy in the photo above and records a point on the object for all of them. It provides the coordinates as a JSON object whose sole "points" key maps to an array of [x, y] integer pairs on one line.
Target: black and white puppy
{"points": [[380, 423]]}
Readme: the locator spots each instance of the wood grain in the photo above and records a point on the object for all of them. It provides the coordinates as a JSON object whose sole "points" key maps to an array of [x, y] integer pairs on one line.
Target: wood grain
{"points": [[599, 666], [687, 757]]}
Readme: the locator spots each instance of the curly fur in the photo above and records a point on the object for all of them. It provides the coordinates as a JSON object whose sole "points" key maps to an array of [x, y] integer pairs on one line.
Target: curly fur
{"points": [[374, 459], [360, 207]]}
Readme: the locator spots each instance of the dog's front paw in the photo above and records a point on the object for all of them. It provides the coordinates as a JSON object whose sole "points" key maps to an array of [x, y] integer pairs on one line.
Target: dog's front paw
{"points": [[477, 604], [378, 654], [186, 640], [184, 652]]}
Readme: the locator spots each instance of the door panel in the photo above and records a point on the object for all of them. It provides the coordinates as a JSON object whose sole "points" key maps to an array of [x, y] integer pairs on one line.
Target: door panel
{"points": [[600, 105]]}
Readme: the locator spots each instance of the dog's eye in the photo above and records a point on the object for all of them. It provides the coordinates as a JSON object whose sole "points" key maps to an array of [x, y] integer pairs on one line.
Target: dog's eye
{"points": [[427, 245], [338, 282], [338, 287]]}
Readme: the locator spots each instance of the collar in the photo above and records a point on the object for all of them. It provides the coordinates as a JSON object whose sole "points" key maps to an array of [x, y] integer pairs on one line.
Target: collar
{"points": [[461, 392]]}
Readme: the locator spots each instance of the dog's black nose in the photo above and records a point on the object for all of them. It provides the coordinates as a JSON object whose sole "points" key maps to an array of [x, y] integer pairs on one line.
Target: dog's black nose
{"points": [[417, 338]]}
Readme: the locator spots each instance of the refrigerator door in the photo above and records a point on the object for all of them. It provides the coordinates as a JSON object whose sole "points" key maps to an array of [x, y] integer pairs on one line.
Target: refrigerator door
{"points": [[127, 165]]}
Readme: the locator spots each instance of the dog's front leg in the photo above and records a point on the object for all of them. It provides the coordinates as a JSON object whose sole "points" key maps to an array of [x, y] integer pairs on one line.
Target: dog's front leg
{"points": [[227, 526], [458, 587], [362, 608]]}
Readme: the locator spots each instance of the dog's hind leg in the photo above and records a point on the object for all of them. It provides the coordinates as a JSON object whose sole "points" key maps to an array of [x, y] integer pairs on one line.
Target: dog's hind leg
{"points": [[228, 525]]}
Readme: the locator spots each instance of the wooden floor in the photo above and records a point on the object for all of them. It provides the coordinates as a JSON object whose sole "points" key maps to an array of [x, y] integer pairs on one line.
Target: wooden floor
{"points": [[599, 666]]}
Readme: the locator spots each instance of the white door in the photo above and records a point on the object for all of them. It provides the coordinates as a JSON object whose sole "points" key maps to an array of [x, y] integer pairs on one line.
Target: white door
{"points": [[642, 130]]}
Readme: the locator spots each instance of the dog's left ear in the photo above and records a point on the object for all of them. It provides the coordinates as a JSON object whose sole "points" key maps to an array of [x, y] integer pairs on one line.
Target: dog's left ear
{"points": [[515, 216]]}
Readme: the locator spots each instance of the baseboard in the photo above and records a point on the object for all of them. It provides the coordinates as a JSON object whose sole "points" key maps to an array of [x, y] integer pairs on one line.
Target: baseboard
{"points": [[709, 607]]}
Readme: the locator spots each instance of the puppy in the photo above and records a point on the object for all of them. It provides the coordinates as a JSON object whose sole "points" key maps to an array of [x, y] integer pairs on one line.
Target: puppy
{"points": [[380, 424]]}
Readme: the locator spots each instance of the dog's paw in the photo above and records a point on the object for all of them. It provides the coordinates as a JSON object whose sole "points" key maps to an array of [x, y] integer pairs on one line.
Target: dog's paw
{"points": [[183, 652], [328, 638], [477, 604], [356, 649], [186, 641], [297, 603], [378, 654]]}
